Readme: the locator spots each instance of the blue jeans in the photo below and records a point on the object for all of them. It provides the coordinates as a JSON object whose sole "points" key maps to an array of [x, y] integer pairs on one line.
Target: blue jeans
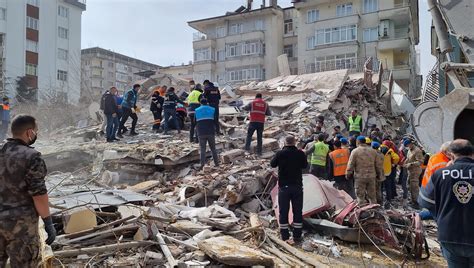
{"points": [[389, 185], [112, 126], [458, 255], [167, 115], [3, 130]]}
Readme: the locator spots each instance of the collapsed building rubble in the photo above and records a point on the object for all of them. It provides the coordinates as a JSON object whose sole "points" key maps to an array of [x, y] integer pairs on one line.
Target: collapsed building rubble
{"points": [[144, 201]]}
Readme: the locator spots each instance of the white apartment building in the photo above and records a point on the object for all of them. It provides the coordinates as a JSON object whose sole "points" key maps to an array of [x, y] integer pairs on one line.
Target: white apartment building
{"points": [[317, 35], [41, 44], [102, 69]]}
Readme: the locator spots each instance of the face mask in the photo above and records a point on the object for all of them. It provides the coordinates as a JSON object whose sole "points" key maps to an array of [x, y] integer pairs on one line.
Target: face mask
{"points": [[33, 140]]}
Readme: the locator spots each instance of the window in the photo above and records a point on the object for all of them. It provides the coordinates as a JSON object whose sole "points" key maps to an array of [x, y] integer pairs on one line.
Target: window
{"points": [[370, 6], [335, 35], [259, 25], [344, 10], [62, 75], [220, 32], [311, 42], [371, 34], [221, 55], [313, 15], [63, 11], [288, 50], [111, 64], [110, 75], [232, 51], [31, 46], [31, 23], [236, 28], [62, 54], [33, 2], [31, 69], [251, 48], [245, 74], [337, 62], [202, 54], [3, 14], [289, 26], [63, 33]]}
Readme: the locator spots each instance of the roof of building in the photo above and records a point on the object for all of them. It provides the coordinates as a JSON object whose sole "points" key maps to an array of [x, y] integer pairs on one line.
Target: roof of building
{"points": [[96, 50], [458, 17]]}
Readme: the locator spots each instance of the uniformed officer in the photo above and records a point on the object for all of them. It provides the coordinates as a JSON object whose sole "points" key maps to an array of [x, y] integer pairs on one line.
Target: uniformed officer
{"points": [[258, 111], [355, 124], [379, 164], [338, 160], [290, 162], [23, 196], [413, 166], [213, 96], [206, 132], [362, 167], [319, 155], [448, 196]]}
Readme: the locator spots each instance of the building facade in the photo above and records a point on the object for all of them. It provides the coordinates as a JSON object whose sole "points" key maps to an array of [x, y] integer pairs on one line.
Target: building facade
{"points": [[316, 35], [40, 45], [184, 71], [102, 69]]}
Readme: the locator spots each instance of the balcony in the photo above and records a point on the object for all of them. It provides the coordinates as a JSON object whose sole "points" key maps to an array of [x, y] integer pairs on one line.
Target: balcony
{"points": [[354, 65], [78, 3], [401, 72], [399, 38]]}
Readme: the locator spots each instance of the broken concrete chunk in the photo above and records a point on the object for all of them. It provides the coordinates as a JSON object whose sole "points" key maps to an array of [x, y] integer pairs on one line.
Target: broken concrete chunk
{"points": [[232, 155], [79, 220], [230, 251], [187, 227], [252, 206]]}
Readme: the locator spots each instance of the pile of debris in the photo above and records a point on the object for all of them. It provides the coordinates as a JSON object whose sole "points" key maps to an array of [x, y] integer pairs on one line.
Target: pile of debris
{"points": [[144, 201]]}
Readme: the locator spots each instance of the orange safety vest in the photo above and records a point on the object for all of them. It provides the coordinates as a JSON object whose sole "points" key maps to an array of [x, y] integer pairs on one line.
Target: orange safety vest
{"points": [[6, 107], [258, 108], [437, 161], [340, 158]]}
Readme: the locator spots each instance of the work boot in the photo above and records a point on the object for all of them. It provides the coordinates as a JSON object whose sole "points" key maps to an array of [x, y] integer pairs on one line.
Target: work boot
{"points": [[133, 133], [120, 135], [115, 139]]}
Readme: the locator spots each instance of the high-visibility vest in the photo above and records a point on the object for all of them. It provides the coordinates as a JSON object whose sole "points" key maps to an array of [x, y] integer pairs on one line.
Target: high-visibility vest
{"points": [[437, 161], [258, 108], [6, 107], [194, 96], [320, 153], [354, 124], [340, 158]]}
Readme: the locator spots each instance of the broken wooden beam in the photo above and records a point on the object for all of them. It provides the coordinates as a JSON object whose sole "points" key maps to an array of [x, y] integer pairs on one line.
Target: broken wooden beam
{"points": [[106, 233], [164, 248], [102, 249]]}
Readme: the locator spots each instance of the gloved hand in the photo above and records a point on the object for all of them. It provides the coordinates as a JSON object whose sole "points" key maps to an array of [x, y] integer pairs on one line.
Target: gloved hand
{"points": [[138, 110], [49, 228]]}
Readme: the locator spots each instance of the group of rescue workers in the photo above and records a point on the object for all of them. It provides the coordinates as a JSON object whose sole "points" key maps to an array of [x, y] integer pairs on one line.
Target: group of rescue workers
{"points": [[361, 165]]}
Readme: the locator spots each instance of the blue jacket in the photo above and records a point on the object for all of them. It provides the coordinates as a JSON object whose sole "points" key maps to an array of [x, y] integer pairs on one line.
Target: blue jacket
{"points": [[119, 100], [129, 99], [205, 120], [448, 197]]}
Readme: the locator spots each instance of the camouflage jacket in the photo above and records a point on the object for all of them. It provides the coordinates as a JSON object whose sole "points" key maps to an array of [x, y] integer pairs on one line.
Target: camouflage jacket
{"points": [[22, 173], [363, 163], [414, 159]]}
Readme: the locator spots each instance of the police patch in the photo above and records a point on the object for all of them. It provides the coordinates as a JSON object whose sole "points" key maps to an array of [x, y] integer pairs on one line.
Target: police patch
{"points": [[463, 191]]}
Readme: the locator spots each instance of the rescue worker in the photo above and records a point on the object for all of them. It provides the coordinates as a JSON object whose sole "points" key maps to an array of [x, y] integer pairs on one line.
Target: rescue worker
{"points": [[437, 161], [319, 154], [290, 162], [129, 106], [103, 126], [448, 196], [413, 166], [213, 96], [4, 118], [111, 111], [23, 196], [390, 170], [206, 131], [258, 110], [169, 108], [362, 167], [156, 107], [376, 134], [381, 178], [337, 164], [192, 84], [193, 101], [355, 124]]}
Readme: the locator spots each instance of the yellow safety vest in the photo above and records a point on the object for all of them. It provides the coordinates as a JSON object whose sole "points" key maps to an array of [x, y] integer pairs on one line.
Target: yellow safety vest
{"points": [[354, 125], [320, 153], [194, 96]]}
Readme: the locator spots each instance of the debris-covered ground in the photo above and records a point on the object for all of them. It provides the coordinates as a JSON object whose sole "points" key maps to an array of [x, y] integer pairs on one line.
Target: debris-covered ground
{"points": [[143, 202]]}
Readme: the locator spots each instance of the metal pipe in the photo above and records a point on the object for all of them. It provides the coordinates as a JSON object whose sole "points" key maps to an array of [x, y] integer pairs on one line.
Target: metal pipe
{"points": [[440, 27]]}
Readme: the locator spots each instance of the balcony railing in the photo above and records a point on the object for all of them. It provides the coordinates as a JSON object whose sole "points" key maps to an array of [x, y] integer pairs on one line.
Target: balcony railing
{"points": [[199, 36], [354, 65], [401, 3]]}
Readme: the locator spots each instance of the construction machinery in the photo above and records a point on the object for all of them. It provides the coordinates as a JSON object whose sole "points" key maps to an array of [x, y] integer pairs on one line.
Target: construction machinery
{"points": [[447, 110]]}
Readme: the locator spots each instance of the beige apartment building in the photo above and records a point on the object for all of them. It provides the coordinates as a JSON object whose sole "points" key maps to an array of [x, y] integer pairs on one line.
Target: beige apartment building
{"points": [[317, 35]]}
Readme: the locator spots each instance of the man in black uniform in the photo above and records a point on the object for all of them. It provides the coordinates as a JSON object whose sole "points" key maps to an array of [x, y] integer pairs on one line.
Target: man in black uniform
{"points": [[448, 197], [213, 96], [156, 107], [290, 162], [23, 196]]}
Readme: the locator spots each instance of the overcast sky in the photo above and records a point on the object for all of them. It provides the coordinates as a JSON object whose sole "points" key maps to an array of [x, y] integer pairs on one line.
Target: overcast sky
{"points": [[156, 30]]}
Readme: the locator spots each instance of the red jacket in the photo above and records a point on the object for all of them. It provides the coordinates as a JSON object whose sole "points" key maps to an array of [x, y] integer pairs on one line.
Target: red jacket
{"points": [[258, 109]]}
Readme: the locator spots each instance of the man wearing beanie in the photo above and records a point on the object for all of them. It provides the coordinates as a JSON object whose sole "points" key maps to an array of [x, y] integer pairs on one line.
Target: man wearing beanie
{"points": [[413, 165], [378, 186], [362, 167], [290, 162]]}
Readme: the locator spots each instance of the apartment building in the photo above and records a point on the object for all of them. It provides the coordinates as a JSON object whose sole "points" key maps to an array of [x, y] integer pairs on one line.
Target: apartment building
{"points": [[102, 69], [242, 46], [317, 35], [40, 44], [184, 71]]}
